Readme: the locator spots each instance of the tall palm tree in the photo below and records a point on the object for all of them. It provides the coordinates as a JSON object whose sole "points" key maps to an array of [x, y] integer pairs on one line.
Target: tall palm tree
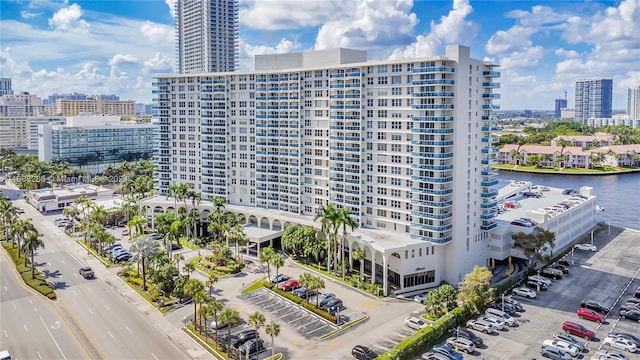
{"points": [[345, 220], [317, 284], [359, 255], [212, 280], [328, 216], [176, 230], [265, 257], [231, 318], [256, 320], [277, 260], [216, 307], [84, 206], [8, 212], [143, 248], [191, 288], [177, 258], [189, 268], [32, 242], [136, 226], [273, 329], [21, 229]]}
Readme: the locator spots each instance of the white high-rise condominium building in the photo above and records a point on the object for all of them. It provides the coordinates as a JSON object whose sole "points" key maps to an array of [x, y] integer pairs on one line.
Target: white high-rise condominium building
{"points": [[405, 145], [206, 35], [594, 99], [633, 107]]}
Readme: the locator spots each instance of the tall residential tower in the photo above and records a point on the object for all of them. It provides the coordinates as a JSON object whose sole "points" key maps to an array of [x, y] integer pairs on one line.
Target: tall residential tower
{"points": [[206, 35], [633, 107], [405, 145], [594, 98]]}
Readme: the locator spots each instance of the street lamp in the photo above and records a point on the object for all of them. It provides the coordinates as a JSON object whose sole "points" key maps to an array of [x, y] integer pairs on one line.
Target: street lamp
{"points": [[502, 302]]}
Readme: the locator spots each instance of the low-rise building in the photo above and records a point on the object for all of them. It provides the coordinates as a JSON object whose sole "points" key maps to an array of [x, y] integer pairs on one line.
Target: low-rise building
{"points": [[586, 141], [620, 155], [53, 199], [575, 157]]}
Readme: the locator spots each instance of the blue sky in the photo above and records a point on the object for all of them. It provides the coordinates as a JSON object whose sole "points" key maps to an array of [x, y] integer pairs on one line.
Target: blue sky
{"points": [[105, 47]]}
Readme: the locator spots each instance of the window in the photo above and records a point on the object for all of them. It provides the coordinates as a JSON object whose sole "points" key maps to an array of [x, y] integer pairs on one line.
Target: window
{"points": [[382, 80], [382, 69]]}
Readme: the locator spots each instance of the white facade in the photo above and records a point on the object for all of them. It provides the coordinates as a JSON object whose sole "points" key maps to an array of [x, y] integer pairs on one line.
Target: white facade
{"points": [[403, 144], [633, 107], [93, 142], [594, 99], [53, 199], [206, 35]]}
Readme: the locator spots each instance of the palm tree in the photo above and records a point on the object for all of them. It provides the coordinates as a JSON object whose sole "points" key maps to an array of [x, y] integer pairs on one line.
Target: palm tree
{"points": [[359, 255], [32, 242], [191, 288], [215, 307], [99, 156], [265, 257], [273, 329], [114, 154], [136, 226], [189, 268], [175, 232], [306, 280], [84, 206], [231, 318], [143, 248], [317, 284], [210, 282], [344, 220], [21, 228], [177, 258], [277, 260], [8, 212], [256, 320], [328, 216]]}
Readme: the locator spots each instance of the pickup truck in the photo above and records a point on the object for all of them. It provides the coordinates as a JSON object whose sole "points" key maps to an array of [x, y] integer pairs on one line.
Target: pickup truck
{"points": [[86, 272]]}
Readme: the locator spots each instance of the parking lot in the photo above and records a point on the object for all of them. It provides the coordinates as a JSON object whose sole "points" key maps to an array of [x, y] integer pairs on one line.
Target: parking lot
{"points": [[608, 276], [303, 321]]}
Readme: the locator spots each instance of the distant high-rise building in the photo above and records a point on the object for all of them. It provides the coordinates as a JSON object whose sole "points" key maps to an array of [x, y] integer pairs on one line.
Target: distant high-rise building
{"points": [[560, 104], [594, 98], [206, 35], [633, 107], [5, 86]]}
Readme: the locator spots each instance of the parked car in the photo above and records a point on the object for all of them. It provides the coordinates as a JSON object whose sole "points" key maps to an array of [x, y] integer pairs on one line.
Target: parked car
{"points": [[504, 306], [447, 351], [333, 306], [536, 284], [467, 334], [564, 262], [578, 330], [563, 346], [218, 325], [242, 337], [630, 313], [5, 355], [497, 323], [86, 272], [123, 257], [252, 346], [324, 298], [552, 273], [362, 353], [278, 278], [554, 353], [524, 292], [480, 325], [432, 355], [589, 314], [511, 301], [461, 343], [563, 268], [520, 222], [303, 292], [610, 355], [415, 323], [125, 232], [569, 192], [632, 299], [570, 339], [585, 247], [594, 305], [630, 337], [289, 285], [541, 279], [620, 343], [420, 298], [532, 194], [510, 321]]}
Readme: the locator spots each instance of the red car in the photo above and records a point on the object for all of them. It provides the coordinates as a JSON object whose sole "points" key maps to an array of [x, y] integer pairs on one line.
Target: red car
{"points": [[289, 285], [589, 314], [578, 330]]}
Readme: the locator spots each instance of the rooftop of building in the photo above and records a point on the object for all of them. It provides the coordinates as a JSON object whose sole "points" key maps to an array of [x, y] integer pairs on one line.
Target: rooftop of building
{"points": [[69, 192]]}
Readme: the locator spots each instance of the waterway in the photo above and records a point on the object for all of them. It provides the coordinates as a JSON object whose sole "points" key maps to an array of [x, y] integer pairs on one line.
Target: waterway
{"points": [[619, 195]]}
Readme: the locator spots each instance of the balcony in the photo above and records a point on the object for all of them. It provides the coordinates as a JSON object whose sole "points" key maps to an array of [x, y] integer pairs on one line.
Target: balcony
{"points": [[491, 73], [432, 69]]}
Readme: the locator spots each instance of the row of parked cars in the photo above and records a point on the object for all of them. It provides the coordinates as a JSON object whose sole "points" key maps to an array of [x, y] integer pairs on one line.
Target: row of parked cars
{"points": [[326, 301], [118, 253]]}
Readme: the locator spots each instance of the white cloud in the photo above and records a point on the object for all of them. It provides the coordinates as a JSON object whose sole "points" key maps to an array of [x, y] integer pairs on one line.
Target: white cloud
{"points": [[171, 4], [157, 32], [513, 39], [248, 51], [292, 14], [452, 28], [29, 15], [524, 58], [157, 64], [122, 59], [567, 54], [68, 19]]}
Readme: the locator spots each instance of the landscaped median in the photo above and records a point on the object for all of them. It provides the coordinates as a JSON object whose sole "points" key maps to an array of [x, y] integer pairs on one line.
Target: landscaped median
{"points": [[422, 340], [39, 283]]}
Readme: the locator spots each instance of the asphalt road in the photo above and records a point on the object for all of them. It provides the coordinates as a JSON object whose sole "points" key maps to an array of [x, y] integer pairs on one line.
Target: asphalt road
{"points": [[103, 318], [30, 326]]}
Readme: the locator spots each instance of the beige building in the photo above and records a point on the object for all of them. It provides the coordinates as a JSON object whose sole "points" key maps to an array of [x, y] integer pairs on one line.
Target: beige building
{"points": [[14, 132], [95, 106], [598, 139], [21, 104]]}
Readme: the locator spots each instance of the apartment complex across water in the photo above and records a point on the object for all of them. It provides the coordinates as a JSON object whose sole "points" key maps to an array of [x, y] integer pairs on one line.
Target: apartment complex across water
{"points": [[405, 145]]}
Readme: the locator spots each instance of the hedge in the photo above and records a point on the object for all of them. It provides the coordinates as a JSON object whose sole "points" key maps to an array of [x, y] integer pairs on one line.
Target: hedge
{"points": [[39, 283], [423, 339]]}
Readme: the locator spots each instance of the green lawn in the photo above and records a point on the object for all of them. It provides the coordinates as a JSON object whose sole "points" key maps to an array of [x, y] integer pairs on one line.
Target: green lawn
{"points": [[556, 170]]}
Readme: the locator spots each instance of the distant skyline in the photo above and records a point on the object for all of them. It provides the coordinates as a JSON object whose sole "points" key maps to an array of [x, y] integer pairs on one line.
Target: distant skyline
{"points": [[107, 47]]}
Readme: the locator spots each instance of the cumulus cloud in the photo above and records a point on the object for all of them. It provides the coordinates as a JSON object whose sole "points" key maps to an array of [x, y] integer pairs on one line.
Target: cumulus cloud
{"points": [[292, 14], [156, 32], [29, 15], [568, 54], [248, 51], [525, 58], [452, 28], [122, 59], [68, 18], [157, 64]]}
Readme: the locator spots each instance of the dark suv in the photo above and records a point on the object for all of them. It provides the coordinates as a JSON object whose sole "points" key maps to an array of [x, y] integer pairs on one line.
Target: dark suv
{"points": [[242, 337], [578, 330], [86, 272], [594, 305], [362, 353]]}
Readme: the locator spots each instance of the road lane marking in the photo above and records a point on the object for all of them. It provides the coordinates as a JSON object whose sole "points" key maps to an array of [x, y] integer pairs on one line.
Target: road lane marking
{"points": [[63, 261], [90, 312], [25, 327], [5, 333], [15, 307], [52, 338], [30, 301], [74, 274], [105, 305], [91, 291], [36, 309], [40, 356], [74, 293], [126, 327], [110, 334], [5, 288], [155, 357]]}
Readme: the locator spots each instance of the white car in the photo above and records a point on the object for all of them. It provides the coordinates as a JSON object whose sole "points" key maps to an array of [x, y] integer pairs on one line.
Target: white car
{"points": [[414, 323], [525, 292], [585, 247], [420, 298], [497, 323], [564, 346], [541, 279], [620, 343], [480, 325], [610, 355], [125, 232]]}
